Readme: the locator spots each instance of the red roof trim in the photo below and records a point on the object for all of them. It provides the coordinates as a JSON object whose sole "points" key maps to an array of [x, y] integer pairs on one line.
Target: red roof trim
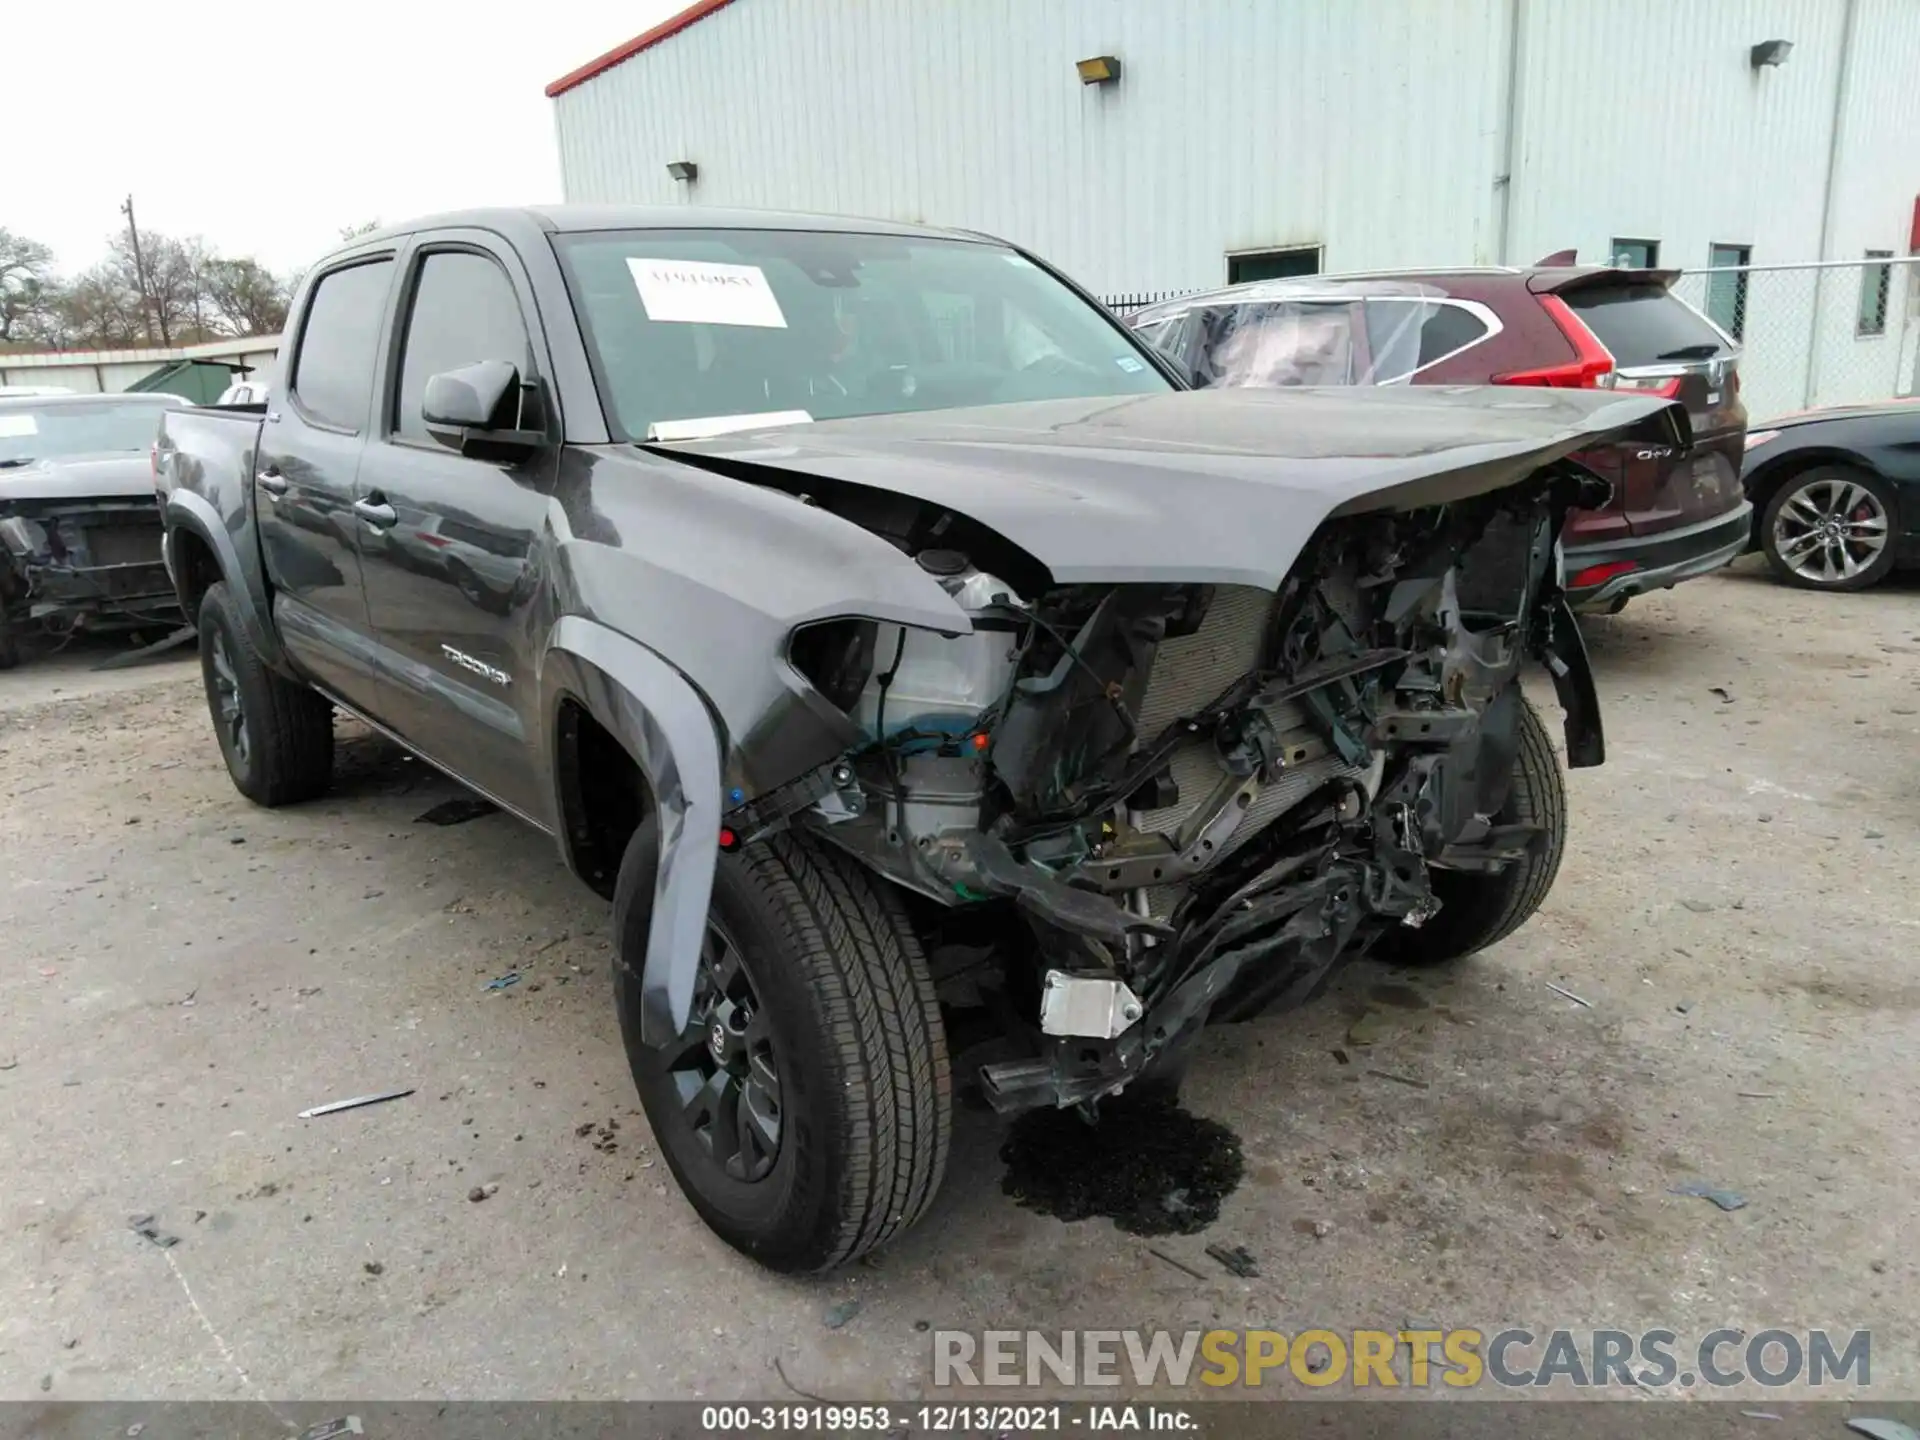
{"points": [[665, 30]]}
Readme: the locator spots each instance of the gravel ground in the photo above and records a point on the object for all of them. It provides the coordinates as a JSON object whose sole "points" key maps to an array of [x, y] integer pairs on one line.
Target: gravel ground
{"points": [[183, 973]]}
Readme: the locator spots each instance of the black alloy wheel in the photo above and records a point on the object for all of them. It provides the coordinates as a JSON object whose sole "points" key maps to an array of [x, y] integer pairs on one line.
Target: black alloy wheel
{"points": [[724, 1068], [229, 705]]}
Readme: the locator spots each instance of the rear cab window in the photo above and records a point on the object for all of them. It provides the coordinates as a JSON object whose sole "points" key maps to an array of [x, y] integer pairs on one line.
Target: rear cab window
{"points": [[1642, 324], [339, 342]]}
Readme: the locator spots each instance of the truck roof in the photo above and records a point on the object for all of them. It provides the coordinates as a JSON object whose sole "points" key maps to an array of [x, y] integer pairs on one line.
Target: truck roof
{"points": [[523, 220]]}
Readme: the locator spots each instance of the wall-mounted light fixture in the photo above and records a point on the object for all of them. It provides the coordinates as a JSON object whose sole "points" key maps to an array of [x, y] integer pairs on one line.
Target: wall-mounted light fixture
{"points": [[683, 170], [1770, 52], [1099, 70]]}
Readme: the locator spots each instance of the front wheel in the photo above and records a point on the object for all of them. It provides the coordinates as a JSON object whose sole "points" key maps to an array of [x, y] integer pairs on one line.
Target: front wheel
{"points": [[806, 1108], [1478, 909]]}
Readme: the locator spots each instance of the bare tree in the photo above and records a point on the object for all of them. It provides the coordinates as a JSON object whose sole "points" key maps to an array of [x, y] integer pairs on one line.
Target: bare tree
{"points": [[161, 289], [247, 298], [99, 311], [365, 227], [27, 289]]}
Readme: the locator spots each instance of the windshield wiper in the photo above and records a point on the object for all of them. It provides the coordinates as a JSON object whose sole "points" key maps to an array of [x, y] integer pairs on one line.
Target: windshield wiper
{"points": [[1704, 350], [17, 460]]}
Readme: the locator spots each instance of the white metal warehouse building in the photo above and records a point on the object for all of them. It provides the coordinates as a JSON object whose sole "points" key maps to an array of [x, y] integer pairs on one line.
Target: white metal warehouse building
{"points": [[1238, 138]]}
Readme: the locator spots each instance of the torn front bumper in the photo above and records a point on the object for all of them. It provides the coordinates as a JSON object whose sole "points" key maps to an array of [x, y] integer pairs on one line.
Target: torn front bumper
{"points": [[70, 564]]}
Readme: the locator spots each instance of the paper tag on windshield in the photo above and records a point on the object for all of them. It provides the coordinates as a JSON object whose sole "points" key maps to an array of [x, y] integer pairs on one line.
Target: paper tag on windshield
{"points": [[711, 425], [13, 427], [700, 292]]}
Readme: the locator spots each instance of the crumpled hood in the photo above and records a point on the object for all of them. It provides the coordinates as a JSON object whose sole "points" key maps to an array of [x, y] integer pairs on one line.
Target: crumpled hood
{"points": [[1206, 486], [116, 476]]}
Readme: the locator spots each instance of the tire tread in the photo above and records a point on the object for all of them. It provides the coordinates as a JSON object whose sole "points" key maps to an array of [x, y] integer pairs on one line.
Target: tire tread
{"points": [[292, 726], [862, 961]]}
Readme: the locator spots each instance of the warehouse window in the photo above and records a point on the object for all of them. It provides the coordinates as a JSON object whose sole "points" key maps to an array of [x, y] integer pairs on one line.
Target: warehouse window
{"points": [[1875, 281], [1273, 264], [1727, 287], [1635, 254]]}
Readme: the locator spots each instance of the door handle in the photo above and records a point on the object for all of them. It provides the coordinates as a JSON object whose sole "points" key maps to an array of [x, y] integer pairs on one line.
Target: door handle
{"points": [[271, 480], [376, 513]]}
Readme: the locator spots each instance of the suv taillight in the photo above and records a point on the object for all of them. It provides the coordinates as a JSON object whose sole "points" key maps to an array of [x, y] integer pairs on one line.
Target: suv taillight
{"points": [[1592, 367]]}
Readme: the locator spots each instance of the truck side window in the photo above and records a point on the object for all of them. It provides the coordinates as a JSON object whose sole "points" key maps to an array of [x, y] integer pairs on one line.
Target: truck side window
{"points": [[333, 371], [464, 311]]}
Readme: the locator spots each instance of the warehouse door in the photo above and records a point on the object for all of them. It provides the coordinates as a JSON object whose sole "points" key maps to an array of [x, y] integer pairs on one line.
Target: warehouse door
{"points": [[1273, 264]]}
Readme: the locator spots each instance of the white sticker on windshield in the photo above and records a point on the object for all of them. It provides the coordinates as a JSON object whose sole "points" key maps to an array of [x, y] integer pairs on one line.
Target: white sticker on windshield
{"points": [[710, 425], [12, 427], [701, 292], [1132, 364]]}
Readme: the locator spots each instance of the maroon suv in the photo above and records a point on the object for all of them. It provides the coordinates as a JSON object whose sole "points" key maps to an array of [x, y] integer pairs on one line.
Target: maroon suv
{"points": [[1674, 513]]}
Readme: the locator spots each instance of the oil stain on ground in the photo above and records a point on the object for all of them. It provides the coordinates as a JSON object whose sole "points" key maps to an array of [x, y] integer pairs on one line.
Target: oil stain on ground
{"points": [[1151, 1166]]}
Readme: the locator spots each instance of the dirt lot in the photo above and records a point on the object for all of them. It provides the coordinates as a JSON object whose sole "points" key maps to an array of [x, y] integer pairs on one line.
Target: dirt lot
{"points": [[184, 973]]}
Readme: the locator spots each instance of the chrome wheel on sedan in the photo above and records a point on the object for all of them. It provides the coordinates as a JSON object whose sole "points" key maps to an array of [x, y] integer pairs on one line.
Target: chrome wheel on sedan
{"points": [[1830, 528]]}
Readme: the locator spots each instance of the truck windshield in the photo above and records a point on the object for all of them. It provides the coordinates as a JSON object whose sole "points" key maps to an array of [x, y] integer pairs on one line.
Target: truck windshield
{"points": [[696, 331], [49, 431]]}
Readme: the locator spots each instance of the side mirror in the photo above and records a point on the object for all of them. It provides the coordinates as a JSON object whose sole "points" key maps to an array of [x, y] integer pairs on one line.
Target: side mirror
{"points": [[477, 410]]}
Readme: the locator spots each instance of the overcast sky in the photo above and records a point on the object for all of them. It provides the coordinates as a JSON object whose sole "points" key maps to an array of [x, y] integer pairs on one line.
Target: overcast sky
{"points": [[267, 127]]}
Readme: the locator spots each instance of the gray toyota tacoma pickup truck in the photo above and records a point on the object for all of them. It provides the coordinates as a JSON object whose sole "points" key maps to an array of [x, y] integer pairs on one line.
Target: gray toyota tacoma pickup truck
{"points": [[903, 650]]}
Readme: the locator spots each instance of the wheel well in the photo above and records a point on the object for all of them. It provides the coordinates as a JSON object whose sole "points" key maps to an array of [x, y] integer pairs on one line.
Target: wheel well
{"points": [[195, 568], [603, 795]]}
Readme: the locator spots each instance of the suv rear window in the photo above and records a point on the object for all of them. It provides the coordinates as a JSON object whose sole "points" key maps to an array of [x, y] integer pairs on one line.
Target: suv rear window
{"points": [[1644, 325]]}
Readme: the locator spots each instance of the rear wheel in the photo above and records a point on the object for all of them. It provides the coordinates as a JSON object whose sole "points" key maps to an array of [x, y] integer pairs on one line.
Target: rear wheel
{"points": [[1831, 528], [275, 734], [1478, 909], [806, 1107]]}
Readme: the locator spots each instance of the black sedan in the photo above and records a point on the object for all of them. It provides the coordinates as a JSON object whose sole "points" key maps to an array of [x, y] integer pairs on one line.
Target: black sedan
{"points": [[1836, 494]]}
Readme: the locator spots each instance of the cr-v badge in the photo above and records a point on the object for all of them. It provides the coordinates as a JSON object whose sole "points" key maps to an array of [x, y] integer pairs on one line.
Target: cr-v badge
{"points": [[479, 667]]}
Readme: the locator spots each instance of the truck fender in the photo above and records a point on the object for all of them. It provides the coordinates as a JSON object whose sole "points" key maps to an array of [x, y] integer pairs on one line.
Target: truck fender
{"points": [[194, 513], [665, 725]]}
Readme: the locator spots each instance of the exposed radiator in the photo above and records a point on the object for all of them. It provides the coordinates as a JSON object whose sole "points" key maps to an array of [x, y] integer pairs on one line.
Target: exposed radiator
{"points": [[1192, 669]]}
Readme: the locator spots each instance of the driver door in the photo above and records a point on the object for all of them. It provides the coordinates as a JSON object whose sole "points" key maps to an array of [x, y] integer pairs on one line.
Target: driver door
{"points": [[452, 552]]}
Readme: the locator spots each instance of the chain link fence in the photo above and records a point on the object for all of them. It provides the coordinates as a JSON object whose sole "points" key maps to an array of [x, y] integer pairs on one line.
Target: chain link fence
{"points": [[1820, 333], [1139, 300]]}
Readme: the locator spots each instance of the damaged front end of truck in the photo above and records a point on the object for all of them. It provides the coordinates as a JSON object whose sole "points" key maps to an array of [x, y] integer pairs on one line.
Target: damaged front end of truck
{"points": [[1193, 800]]}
